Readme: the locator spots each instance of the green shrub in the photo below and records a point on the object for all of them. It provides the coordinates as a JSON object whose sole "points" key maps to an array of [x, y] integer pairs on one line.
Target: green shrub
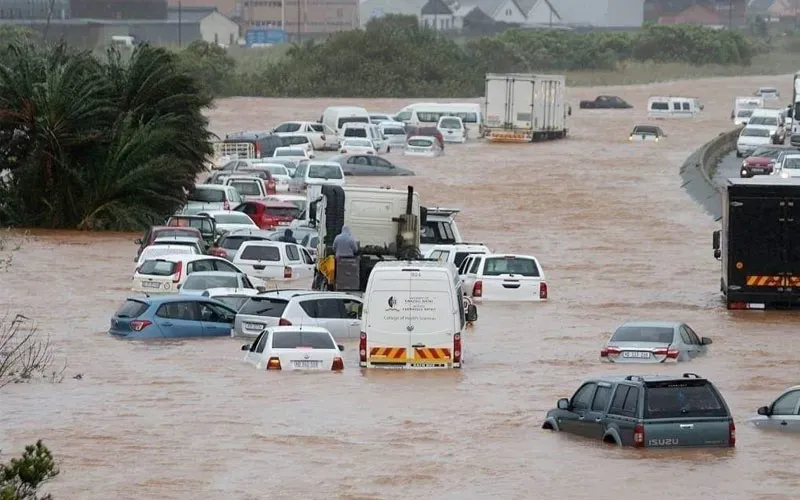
{"points": [[21, 478]]}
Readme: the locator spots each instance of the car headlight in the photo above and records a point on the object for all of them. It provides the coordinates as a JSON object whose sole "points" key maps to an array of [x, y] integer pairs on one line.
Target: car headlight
{"points": [[744, 164]]}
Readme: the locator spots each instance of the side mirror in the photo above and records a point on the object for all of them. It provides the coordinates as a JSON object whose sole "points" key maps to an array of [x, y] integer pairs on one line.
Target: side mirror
{"points": [[340, 346], [715, 240], [246, 347], [764, 410], [706, 341], [472, 313], [563, 404], [138, 241], [261, 288]]}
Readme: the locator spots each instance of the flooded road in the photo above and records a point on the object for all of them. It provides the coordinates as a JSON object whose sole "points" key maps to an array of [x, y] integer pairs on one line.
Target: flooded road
{"points": [[618, 239]]}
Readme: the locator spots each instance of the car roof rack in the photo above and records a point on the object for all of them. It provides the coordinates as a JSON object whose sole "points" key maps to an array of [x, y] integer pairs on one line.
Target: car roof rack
{"points": [[691, 375], [635, 378]]}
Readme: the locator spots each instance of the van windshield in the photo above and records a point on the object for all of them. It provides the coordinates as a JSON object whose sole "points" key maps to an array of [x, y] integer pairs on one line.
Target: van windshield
{"points": [[681, 399], [662, 106], [352, 119], [324, 172]]}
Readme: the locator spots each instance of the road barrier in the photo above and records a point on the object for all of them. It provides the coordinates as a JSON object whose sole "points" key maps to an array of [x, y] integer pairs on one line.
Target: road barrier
{"points": [[698, 171]]}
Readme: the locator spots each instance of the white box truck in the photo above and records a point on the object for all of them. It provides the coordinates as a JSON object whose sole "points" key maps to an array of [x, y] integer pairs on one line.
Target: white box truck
{"points": [[525, 107]]}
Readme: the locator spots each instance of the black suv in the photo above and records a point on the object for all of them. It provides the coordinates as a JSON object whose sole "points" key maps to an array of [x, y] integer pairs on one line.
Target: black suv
{"points": [[650, 411]]}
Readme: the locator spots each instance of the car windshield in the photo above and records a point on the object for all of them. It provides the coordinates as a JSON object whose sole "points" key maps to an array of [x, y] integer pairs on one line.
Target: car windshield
{"points": [[293, 340], [645, 129], [744, 113], [768, 90], [275, 169], [261, 252], [767, 152], [207, 195], [317, 127], [246, 188], [755, 132], [654, 334], [680, 399], [363, 143], [285, 212], [289, 152], [177, 233], [154, 251], [233, 218], [762, 120], [204, 282], [324, 172], [234, 242], [158, 268], [792, 163], [355, 132], [235, 302], [420, 143], [495, 266], [450, 123], [264, 306]]}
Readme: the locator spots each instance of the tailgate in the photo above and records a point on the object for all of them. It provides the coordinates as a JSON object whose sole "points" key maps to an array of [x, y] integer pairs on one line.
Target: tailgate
{"points": [[510, 287], [756, 238], [712, 431]]}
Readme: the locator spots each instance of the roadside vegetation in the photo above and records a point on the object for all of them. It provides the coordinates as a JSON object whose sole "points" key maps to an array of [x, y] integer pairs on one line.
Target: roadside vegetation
{"points": [[395, 57], [21, 478]]}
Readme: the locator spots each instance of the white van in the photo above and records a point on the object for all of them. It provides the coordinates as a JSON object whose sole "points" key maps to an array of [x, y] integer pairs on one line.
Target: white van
{"points": [[743, 107], [413, 316], [335, 117], [428, 115], [679, 107], [366, 131]]}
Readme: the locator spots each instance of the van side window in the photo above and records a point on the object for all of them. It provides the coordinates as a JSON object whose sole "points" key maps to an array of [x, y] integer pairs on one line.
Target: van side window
{"points": [[686, 106], [676, 106], [601, 397], [618, 403], [583, 397], [631, 403], [660, 106], [476, 263]]}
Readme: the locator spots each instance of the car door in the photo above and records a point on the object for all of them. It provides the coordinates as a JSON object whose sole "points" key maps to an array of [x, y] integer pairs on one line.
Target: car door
{"points": [[179, 319], [255, 356], [217, 319], [700, 349], [298, 179], [352, 312], [784, 413], [379, 166], [573, 419], [691, 348], [293, 260], [328, 314], [594, 423]]}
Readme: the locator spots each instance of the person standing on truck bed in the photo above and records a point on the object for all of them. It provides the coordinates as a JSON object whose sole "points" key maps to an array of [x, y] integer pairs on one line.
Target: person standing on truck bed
{"points": [[288, 237], [344, 245]]}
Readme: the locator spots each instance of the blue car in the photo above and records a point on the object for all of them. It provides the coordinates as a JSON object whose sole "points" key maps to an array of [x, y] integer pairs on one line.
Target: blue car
{"points": [[171, 316]]}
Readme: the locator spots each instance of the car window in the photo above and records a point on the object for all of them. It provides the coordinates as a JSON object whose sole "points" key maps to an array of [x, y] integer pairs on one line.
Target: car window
{"points": [[352, 308], [306, 256], [213, 313], [261, 252], [202, 194], [292, 253], [246, 188], [693, 336], [618, 403], [685, 336], [220, 265], [440, 255], [200, 265], [262, 343], [682, 398], [324, 172], [293, 340], [258, 340], [583, 397], [496, 266], [324, 308], [601, 396], [659, 106], [462, 269], [131, 309], [786, 404], [631, 406], [187, 311], [264, 306], [436, 233], [476, 263], [204, 282], [655, 334]]}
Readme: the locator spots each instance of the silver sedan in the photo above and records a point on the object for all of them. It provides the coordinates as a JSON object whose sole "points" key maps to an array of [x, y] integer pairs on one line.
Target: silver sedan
{"points": [[783, 414], [654, 342]]}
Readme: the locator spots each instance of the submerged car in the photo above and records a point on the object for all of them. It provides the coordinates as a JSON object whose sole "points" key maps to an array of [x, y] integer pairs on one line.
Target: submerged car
{"points": [[751, 137], [452, 129], [363, 165], [783, 414], [646, 133], [654, 342], [419, 145], [295, 348], [605, 102], [648, 411], [197, 283], [171, 316]]}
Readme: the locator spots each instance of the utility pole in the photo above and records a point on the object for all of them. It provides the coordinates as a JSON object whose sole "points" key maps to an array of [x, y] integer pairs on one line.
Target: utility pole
{"points": [[730, 14], [298, 21], [180, 24]]}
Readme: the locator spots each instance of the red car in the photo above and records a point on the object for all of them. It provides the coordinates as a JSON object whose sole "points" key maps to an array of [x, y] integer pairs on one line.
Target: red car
{"points": [[428, 131], [762, 161], [269, 214]]}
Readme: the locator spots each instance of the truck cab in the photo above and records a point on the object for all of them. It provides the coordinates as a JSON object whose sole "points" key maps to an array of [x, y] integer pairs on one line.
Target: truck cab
{"points": [[759, 243]]}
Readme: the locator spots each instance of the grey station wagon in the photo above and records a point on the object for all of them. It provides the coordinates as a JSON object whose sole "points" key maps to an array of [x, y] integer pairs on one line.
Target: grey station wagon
{"points": [[650, 411]]}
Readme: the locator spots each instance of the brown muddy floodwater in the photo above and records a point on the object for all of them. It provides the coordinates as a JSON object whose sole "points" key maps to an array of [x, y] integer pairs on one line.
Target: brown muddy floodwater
{"points": [[618, 239]]}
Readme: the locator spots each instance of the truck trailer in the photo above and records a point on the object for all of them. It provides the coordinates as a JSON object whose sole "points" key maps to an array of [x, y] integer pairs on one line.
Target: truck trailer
{"points": [[525, 107], [759, 243]]}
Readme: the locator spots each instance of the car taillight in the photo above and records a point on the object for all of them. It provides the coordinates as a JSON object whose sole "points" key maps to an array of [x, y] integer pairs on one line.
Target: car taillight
{"points": [[673, 353], [177, 276], [284, 322], [477, 289], [217, 252], [274, 364], [731, 434], [287, 272], [257, 150], [457, 348], [542, 290], [638, 435], [338, 364], [138, 325], [611, 350], [226, 205], [362, 348]]}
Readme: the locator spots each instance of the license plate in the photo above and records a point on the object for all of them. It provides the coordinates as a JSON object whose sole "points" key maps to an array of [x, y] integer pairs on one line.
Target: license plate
{"points": [[306, 364], [428, 365], [151, 284], [635, 354], [758, 170], [254, 326]]}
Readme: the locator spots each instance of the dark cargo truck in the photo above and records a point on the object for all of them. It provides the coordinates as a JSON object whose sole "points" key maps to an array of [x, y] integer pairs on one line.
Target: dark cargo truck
{"points": [[759, 243]]}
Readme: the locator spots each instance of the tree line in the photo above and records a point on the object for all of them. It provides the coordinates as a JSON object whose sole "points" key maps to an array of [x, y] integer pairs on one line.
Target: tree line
{"points": [[395, 57]]}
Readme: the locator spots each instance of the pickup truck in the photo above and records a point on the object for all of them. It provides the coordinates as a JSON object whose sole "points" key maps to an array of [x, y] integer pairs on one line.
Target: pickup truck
{"points": [[605, 102]]}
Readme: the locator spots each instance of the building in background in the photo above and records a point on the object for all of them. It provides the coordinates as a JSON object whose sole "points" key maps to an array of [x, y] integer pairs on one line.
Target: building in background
{"points": [[34, 9], [701, 12], [118, 9], [213, 26]]}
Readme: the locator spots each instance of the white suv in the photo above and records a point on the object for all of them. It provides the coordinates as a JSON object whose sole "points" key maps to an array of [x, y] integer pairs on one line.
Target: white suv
{"points": [[337, 312], [275, 261], [163, 274]]}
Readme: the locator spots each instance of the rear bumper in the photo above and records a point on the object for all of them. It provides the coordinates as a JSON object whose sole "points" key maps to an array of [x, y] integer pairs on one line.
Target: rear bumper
{"points": [[411, 366], [762, 300]]}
